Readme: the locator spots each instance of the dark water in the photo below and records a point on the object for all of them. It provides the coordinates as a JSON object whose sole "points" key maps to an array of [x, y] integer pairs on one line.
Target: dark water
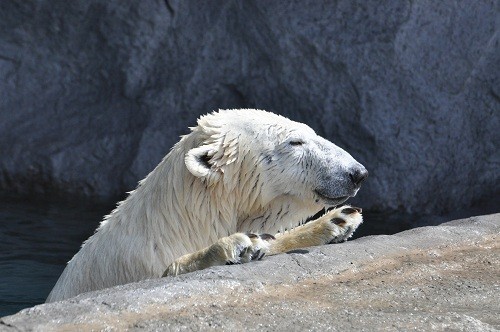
{"points": [[37, 238]]}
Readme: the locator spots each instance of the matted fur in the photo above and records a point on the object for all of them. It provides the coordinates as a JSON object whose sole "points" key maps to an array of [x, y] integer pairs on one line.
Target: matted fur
{"points": [[237, 171]]}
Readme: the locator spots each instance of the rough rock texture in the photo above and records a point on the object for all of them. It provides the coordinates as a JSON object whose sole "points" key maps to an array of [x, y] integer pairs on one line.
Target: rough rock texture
{"points": [[94, 93], [432, 278]]}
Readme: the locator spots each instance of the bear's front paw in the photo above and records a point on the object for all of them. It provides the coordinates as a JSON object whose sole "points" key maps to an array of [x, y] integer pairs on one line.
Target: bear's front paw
{"points": [[235, 249], [342, 222], [336, 225], [242, 248]]}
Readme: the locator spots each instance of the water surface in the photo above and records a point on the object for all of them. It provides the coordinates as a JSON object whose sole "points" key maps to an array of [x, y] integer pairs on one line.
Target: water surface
{"points": [[37, 238]]}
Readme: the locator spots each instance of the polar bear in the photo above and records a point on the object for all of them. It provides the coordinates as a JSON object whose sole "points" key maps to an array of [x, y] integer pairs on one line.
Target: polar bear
{"points": [[238, 175]]}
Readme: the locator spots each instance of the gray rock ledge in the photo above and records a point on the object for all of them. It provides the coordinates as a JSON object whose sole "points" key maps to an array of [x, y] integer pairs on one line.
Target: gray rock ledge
{"points": [[444, 277]]}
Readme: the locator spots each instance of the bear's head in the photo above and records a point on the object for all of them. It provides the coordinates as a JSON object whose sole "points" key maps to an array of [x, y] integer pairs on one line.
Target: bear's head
{"points": [[274, 155]]}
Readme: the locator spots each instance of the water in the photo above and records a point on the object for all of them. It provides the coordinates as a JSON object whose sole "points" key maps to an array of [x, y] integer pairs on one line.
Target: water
{"points": [[38, 237]]}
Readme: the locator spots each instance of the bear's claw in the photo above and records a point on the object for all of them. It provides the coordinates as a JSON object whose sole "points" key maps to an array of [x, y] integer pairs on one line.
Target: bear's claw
{"points": [[343, 222], [245, 253]]}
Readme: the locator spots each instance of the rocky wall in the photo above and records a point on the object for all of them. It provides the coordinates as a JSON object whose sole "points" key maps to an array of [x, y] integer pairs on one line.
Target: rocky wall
{"points": [[94, 93]]}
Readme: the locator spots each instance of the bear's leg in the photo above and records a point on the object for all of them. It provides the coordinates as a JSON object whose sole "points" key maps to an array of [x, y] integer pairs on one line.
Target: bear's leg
{"points": [[235, 249], [335, 226]]}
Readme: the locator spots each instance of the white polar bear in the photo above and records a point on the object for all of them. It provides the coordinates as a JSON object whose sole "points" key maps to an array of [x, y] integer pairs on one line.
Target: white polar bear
{"points": [[237, 171]]}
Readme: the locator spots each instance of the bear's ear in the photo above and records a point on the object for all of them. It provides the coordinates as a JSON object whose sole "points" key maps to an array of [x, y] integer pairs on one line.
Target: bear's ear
{"points": [[198, 162], [210, 160]]}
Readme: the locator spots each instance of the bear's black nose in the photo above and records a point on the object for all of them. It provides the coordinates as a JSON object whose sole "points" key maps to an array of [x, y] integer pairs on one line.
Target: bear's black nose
{"points": [[358, 175]]}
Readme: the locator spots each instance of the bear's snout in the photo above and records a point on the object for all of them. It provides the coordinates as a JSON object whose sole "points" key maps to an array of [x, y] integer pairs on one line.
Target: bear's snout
{"points": [[358, 175]]}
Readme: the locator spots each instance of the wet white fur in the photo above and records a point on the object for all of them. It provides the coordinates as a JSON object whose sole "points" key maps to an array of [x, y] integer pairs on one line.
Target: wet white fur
{"points": [[257, 182]]}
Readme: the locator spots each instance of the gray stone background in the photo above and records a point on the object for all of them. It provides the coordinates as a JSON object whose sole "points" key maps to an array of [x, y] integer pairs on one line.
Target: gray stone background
{"points": [[94, 93]]}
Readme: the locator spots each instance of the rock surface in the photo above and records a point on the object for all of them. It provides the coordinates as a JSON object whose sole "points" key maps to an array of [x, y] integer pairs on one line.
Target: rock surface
{"points": [[94, 93], [432, 278]]}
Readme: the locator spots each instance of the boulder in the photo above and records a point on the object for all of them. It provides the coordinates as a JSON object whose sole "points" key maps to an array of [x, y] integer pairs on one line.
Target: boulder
{"points": [[426, 279], [94, 93]]}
